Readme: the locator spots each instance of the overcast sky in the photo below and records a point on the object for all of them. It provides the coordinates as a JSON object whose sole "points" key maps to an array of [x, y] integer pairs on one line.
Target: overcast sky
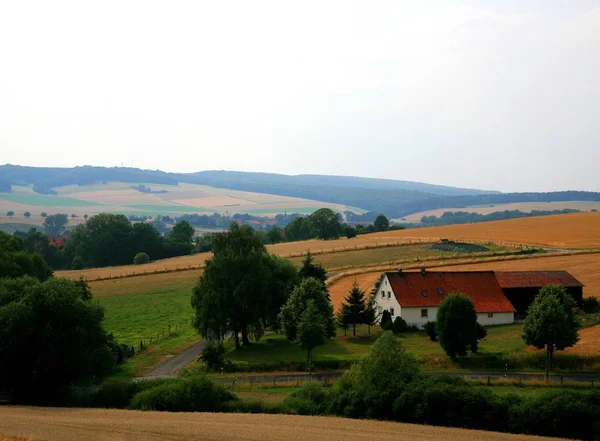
{"points": [[482, 94]]}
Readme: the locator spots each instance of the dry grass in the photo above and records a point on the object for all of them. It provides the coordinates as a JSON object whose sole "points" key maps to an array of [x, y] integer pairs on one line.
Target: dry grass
{"points": [[339, 290], [14, 438], [589, 342], [525, 207], [108, 425]]}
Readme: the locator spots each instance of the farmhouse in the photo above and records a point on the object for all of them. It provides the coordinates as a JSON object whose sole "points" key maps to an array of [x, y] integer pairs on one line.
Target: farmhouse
{"points": [[497, 296], [416, 296]]}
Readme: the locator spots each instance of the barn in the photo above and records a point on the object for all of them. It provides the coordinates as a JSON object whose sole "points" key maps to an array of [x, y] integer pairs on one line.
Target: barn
{"points": [[521, 287], [496, 295], [416, 296]]}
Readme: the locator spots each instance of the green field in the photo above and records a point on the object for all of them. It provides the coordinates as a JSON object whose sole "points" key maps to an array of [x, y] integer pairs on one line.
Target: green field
{"points": [[43, 200]]}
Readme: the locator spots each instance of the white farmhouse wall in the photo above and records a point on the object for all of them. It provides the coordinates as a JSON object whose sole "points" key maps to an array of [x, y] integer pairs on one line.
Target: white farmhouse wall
{"points": [[381, 299], [498, 318], [412, 316]]}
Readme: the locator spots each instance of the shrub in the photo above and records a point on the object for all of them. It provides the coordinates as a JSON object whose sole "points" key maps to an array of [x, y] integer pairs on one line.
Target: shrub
{"points": [[310, 399], [77, 263], [141, 259], [431, 331], [385, 318], [480, 334], [389, 326], [254, 406], [194, 394], [213, 355], [591, 305], [400, 325]]}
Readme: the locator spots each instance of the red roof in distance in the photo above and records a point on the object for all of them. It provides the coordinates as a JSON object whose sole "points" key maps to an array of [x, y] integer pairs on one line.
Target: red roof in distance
{"points": [[428, 289], [535, 279]]}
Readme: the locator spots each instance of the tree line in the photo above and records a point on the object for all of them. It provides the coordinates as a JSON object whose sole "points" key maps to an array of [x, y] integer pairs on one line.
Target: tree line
{"points": [[463, 217]]}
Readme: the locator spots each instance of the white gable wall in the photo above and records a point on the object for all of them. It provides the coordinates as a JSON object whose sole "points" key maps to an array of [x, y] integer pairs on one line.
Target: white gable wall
{"points": [[385, 299], [497, 318]]}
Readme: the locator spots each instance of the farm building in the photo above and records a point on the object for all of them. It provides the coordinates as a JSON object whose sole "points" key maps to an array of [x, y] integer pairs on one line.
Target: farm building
{"points": [[521, 287], [416, 296], [497, 296]]}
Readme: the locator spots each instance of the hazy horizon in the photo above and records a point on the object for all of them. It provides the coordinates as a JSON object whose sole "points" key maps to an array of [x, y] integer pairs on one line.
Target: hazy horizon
{"points": [[484, 94]]}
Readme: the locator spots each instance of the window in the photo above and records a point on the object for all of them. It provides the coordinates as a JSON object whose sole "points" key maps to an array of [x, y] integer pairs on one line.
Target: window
{"points": [[383, 294], [392, 312], [424, 313], [389, 295], [379, 310], [440, 291], [490, 314], [424, 293], [385, 282]]}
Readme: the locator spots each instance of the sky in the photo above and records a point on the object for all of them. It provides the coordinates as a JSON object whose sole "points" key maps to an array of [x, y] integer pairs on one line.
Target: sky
{"points": [[491, 94]]}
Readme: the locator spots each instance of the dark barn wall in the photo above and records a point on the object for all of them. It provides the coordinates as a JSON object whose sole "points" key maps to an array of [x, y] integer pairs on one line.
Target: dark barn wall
{"points": [[521, 298]]}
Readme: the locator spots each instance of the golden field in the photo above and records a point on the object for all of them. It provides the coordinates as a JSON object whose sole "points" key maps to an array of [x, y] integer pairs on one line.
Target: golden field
{"points": [[55, 424], [580, 230]]}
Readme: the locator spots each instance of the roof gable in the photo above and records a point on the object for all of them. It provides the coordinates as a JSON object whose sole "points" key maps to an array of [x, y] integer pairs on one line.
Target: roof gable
{"points": [[535, 279], [427, 289]]}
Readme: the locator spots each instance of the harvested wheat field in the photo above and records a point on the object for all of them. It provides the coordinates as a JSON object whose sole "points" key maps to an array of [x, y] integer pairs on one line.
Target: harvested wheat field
{"points": [[339, 289], [589, 342], [585, 267], [46, 424]]}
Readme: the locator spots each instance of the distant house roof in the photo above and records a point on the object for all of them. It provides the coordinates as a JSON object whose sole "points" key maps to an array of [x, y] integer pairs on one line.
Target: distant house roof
{"points": [[535, 279], [422, 289]]}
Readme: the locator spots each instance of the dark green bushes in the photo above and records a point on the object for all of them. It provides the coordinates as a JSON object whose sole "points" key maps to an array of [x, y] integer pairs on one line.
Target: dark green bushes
{"points": [[194, 394], [310, 399], [591, 305]]}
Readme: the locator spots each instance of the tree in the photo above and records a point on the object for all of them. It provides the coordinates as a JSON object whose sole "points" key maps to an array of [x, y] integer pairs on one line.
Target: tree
{"points": [[141, 259], [275, 235], [400, 325], [55, 224], [10, 213], [43, 214], [51, 336], [325, 224], [74, 216], [182, 232], [104, 240], [213, 356], [353, 307], [456, 324], [16, 261], [430, 330], [85, 216], [551, 322], [340, 320], [145, 238], [241, 287], [370, 316], [312, 331], [480, 334], [381, 223], [311, 269], [291, 313], [349, 231], [385, 318], [27, 214], [298, 229]]}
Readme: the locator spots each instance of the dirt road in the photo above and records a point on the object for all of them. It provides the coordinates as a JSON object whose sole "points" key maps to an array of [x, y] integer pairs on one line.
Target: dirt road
{"points": [[47, 424], [171, 367]]}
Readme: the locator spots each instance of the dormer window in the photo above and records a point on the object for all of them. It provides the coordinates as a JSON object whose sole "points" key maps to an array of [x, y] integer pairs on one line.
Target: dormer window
{"points": [[440, 291], [424, 293]]}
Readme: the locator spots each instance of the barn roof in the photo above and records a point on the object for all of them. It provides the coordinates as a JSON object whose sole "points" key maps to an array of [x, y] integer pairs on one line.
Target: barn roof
{"points": [[535, 279], [420, 289]]}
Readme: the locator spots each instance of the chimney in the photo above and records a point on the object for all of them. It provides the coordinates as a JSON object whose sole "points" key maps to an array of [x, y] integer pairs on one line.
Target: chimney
{"points": [[423, 271], [399, 270]]}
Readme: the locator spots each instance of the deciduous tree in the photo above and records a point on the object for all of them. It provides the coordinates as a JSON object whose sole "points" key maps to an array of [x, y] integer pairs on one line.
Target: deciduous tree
{"points": [[312, 331], [381, 223], [325, 224], [55, 224], [456, 325]]}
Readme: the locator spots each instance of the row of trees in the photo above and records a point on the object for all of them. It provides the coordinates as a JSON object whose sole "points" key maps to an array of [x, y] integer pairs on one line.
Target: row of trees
{"points": [[463, 217]]}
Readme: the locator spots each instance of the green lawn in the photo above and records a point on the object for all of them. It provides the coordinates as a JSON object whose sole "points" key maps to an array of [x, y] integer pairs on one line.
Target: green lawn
{"points": [[139, 316]]}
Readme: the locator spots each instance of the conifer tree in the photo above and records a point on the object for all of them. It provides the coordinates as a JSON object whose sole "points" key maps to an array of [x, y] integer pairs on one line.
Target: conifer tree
{"points": [[353, 308]]}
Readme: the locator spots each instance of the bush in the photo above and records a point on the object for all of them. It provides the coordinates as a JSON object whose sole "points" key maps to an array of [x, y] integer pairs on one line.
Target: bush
{"points": [[213, 356], [310, 399], [480, 334], [254, 406], [400, 325], [77, 263], [389, 326], [431, 331], [141, 259], [591, 305], [385, 318], [194, 394]]}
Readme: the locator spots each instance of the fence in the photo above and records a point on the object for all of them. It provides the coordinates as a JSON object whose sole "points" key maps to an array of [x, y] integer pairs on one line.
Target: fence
{"points": [[171, 329]]}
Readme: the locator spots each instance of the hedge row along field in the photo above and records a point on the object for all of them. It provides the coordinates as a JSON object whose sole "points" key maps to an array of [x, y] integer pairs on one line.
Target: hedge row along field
{"points": [[107, 425]]}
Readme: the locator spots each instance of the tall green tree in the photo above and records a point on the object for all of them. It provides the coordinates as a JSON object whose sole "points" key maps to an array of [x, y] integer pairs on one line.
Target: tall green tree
{"points": [[290, 314], [146, 239], [456, 324], [241, 287], [298, 229], [381, 223], [370, 316], [16, 261], [551, 322], [183, 232], [55, 224], [325, 224], [312, 331], [51, 336], [275, 235], [354, 307], [310, 269]]}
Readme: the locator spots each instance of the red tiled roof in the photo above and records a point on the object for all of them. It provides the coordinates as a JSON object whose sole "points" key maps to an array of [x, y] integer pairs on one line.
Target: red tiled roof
{"points": [[481, 286], [535, 279]]}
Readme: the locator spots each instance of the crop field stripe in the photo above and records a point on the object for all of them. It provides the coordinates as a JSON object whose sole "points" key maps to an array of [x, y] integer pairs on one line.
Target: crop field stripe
{"points": [[55, 424]]}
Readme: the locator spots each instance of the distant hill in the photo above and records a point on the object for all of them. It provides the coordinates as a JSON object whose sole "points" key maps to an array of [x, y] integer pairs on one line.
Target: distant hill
{"points": [[393, 197]]}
